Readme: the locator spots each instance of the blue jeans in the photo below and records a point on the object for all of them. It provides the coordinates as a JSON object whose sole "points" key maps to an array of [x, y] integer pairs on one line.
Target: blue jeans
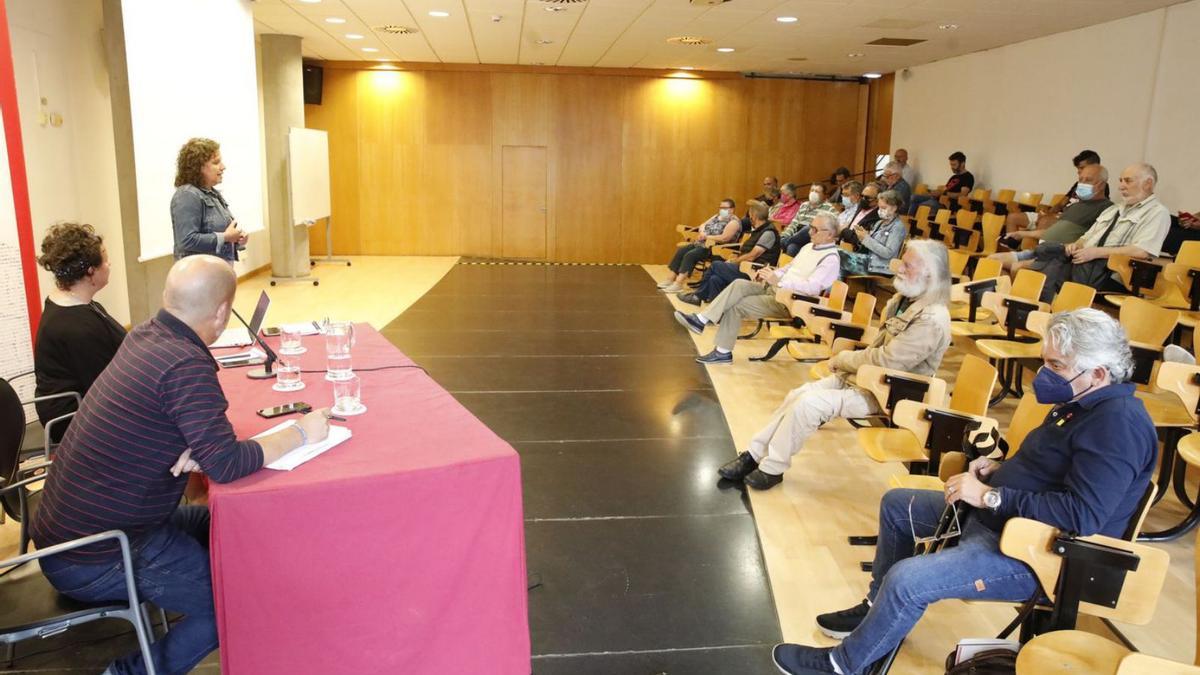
{"points": [[718, 276], [924, 200], [170, 567], [793, 244], [903, 585]]}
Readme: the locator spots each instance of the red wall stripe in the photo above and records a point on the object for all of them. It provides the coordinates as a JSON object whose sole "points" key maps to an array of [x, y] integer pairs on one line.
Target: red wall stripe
{"points": [[16, 166]]}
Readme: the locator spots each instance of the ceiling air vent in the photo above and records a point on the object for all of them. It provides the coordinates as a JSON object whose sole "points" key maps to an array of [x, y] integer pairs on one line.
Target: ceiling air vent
{"points": [[708, 3], [895, 42], [689, 40], [396, 30]]}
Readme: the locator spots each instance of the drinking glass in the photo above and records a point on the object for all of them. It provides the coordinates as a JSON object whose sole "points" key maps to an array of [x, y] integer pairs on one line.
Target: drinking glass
{"points": [[291, 340], [347, 396], [287, 374]]}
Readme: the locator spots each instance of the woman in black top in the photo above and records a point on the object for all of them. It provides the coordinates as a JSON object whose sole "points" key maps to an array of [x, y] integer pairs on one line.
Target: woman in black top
{"points": [[76, 338]]}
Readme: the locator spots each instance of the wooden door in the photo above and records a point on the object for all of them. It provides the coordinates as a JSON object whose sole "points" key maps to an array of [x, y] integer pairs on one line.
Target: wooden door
{"points": [[523, 202]]}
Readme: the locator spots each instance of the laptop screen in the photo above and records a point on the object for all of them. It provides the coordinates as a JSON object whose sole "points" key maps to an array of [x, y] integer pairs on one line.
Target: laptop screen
{"points": [[260, 312]]}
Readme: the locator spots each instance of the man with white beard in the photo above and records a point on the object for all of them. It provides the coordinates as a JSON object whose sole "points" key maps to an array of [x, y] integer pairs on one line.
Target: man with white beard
{"points": [[913, 339]]}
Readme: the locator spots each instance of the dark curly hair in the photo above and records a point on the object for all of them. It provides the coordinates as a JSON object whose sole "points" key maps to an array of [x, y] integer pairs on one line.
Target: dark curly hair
{"points": [[193, 155], [69, 250]]}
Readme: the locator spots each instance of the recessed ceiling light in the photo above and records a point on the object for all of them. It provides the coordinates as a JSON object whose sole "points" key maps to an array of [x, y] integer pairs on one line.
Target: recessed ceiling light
{"points": [[725, 50], [439, 14], [855, 55], [370, 49], [948, 26], [353, 36], [335, 19], [310, 2], [554, 8], [544, 42], [872, 76], [786, 19]]}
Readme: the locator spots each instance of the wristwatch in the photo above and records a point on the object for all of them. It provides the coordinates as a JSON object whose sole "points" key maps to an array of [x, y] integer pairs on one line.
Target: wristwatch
{"points": [[991, 499]]}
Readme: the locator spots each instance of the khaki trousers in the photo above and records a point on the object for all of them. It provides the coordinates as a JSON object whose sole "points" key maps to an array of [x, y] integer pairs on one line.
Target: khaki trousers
{"points": [[741, 301], [803, 412]]}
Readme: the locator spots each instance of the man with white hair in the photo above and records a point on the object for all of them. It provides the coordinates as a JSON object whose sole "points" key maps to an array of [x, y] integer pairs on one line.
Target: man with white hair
{"points": [[893, 179], [156, 413], [1084, 470], [811, 272], [1135, 228], [914, 337], [907, 172]]}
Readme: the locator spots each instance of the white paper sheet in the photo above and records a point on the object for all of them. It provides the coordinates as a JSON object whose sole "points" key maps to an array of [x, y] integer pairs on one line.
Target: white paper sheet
{"points": [[303, 327], [302, 454], [237, 336]]}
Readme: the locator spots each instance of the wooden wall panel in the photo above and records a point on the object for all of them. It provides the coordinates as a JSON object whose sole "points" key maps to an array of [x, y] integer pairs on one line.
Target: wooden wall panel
{"points": [[416, 155], [586, 190]]}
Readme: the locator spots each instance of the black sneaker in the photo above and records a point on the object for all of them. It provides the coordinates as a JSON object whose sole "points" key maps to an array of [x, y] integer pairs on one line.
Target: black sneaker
{"points": [[838, 625], [760, 480], [715, 356], [689, 298], [738, 468], [800, 660]]}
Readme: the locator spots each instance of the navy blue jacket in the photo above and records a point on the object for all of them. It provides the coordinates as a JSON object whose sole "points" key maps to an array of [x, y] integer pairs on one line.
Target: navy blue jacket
{"points": [[1084, 469]]}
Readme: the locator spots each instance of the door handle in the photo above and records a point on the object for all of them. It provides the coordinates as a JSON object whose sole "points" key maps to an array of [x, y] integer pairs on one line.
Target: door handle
{"points": [[542, 209]]}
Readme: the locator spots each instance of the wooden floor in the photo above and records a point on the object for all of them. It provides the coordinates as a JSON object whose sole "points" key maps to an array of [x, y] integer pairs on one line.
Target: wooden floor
{"points": [[833, 489]]}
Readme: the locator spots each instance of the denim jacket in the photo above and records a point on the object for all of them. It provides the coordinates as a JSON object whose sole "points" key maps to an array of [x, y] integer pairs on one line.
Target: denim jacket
{"points": [[198, 218]]}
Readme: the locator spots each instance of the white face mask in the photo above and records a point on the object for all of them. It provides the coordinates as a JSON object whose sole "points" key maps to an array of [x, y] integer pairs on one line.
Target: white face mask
{"points": [[814, 197], [886, 213], [724, 213]]}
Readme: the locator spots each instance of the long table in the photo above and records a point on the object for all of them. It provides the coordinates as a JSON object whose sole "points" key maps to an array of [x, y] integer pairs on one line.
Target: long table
{"points": [[398, 551]]}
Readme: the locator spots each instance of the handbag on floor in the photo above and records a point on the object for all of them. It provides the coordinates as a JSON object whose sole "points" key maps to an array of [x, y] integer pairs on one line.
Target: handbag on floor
{"points": [[989, 662]]}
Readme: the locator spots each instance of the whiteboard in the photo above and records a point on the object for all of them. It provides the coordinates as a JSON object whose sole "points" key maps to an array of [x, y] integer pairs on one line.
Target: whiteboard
{"points": [[16, 348], [308, 174], [172, 99]]}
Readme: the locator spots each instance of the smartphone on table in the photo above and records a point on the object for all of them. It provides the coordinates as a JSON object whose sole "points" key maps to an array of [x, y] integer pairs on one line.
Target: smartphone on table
{"points": [[285, 409]]}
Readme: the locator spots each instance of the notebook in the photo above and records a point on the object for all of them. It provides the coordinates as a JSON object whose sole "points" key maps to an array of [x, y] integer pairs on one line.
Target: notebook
{"points": [[302, 454]]}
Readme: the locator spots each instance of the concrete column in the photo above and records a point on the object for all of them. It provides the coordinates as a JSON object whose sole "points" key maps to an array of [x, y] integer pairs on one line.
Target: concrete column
{"points": [[283, 107]]}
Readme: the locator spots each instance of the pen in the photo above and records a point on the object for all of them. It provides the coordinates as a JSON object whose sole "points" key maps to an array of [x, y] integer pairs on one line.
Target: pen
{"points": [[335, 417]]}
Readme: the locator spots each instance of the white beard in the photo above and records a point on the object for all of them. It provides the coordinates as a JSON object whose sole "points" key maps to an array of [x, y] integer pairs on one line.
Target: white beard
{"points": [[910, 289]]}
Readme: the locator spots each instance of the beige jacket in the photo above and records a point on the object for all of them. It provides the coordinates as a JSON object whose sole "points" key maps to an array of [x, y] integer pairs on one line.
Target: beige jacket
{"points": [[913, 342]]}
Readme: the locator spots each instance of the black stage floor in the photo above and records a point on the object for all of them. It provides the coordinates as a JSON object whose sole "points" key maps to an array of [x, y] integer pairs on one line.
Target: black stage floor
{"points": [[645, 566]]}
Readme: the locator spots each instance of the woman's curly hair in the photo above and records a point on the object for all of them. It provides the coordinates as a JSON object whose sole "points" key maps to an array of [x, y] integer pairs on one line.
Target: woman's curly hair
{"points": [[193, 155], [69, 250]]}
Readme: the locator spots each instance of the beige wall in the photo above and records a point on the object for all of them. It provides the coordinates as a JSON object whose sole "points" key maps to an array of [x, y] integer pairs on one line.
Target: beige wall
{"points": [[1126, 89], [416, 156], [58, 54]]}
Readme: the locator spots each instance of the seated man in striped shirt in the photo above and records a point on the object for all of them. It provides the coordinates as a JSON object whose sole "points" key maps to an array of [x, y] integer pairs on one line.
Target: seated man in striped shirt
{"points": [[156, 413], [811, 272]]}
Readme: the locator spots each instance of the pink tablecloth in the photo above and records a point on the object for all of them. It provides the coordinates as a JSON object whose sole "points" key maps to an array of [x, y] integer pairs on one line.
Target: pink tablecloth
{"points": [[398, 551]]}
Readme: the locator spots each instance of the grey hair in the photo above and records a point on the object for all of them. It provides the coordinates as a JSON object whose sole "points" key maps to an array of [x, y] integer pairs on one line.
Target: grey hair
{"points": [[937, 268], [830, 220], [891, 197], [853, 186], [1147, 171], [1101, 173], [892, 167], [1092, 339], [790, 187]]}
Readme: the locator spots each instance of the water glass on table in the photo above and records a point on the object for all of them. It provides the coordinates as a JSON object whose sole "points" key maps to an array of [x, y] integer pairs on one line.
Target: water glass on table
{"points": [[291, 340], [287, 374], [339, 339], [347, 396]]}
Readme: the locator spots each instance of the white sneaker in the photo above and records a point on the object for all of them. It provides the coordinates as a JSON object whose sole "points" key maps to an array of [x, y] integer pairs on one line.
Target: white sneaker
{"points": [[664, 284], [673, 288], [1177, 354]]}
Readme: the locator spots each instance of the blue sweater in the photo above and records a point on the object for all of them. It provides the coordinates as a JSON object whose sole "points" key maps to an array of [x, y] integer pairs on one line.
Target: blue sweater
{"points": [[1084, 470]]}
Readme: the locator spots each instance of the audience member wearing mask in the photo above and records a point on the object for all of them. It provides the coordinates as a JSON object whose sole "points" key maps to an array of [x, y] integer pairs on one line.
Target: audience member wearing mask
{"points": [[722, 228], [878, 246], [796, 235]]}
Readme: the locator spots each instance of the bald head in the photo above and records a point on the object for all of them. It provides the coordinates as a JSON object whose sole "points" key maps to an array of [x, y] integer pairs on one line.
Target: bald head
{"points": [[199, 292]]}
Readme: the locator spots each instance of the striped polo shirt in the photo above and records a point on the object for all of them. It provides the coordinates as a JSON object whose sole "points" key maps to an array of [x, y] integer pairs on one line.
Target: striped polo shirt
{"points": [[158, 397]]}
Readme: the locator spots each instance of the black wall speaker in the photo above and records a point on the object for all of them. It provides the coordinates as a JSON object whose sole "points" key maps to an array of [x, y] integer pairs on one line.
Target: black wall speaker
{"points": [[313, 77]]}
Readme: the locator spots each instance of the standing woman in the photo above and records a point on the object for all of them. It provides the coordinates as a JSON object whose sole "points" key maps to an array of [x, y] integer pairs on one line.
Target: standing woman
{"points": [[76, 338], [199, 214]]}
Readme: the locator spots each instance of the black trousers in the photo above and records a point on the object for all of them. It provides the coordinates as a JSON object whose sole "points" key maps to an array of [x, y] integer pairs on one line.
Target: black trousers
{"points": [[687, 257]]}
